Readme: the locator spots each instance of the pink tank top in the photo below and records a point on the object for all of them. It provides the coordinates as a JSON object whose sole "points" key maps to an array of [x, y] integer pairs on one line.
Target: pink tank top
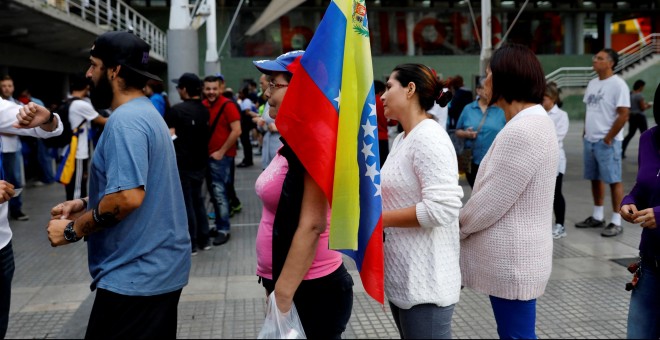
{"points": [[269, 188]]}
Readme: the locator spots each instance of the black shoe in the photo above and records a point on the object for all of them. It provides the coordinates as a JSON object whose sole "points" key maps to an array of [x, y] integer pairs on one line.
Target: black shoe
{"points": [[611, 230], [194, 251], [20, 216], [590, 222], [243, 164], [221, 239], [213, 232]]}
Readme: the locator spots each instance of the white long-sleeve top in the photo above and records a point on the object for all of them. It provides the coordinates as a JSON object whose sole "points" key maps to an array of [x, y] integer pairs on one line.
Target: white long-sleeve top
{"points": [[8, 111], [506, 246], [560, 118], [422, 264]]}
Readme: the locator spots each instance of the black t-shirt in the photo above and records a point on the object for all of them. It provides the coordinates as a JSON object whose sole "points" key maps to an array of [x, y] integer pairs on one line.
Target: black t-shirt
{"points": [[190, 120]]}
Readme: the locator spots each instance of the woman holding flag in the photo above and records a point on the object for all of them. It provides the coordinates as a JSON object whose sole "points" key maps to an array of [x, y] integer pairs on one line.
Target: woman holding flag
{"points": [[293, 259], [421, 202]]}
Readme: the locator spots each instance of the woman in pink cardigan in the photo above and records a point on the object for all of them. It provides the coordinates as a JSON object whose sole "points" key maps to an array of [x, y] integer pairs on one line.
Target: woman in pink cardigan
{"points": [[506, 249]]}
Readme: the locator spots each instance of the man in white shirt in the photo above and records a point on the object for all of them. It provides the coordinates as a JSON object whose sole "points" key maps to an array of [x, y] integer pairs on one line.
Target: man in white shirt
{"points": [[81, 114], [607, 100], [34, 121], [11, 153]]}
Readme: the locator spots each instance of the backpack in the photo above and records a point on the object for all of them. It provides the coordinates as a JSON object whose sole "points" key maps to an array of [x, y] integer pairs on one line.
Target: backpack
{"points": [[65, 138]]}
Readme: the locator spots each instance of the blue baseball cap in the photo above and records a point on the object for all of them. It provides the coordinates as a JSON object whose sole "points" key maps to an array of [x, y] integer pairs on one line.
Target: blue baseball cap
{"points": [[280, 64]]}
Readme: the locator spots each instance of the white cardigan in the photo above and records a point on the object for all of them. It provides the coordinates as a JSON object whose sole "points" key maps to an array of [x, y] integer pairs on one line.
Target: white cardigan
{"points": [[506, 244], [422, 264]]}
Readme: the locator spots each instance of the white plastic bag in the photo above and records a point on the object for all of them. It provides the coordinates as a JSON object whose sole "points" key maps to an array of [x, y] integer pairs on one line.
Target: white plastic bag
{"points": [[280, 325]]}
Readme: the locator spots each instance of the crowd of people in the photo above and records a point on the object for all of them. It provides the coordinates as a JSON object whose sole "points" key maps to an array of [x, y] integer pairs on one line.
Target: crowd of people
{"points": [[148, 161]]}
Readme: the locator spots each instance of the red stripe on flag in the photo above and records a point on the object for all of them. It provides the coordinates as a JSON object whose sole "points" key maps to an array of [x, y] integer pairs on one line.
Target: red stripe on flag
{"points": [[308, 123], [372, 272]]}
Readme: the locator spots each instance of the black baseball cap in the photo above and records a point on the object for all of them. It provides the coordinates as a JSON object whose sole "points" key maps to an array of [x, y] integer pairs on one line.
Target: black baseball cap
{"points": [[125, 49], [189, 81]]}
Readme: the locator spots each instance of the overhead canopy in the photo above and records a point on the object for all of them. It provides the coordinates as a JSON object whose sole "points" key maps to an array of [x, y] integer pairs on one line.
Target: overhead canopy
{"points": [[274, 11]]}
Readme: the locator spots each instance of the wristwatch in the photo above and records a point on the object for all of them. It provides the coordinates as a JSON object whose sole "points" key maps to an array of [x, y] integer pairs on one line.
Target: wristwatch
{"points": [[70, 233]]}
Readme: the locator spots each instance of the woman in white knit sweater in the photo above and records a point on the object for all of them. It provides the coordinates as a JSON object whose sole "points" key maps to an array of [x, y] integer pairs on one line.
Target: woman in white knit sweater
{"points": [[506, 249], [421, 202]]}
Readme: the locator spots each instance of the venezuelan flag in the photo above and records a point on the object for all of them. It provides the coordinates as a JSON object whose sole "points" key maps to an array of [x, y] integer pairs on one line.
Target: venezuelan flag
{"points": [[68, 166], [328, 117]]}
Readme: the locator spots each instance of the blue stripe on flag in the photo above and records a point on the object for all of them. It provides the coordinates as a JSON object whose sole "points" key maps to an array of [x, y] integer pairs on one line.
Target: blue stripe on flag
{"points": [[369, 165], [324, 63]]}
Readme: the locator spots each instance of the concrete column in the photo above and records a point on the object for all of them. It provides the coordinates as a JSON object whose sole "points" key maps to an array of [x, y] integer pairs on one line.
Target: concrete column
{"points": [[579, 33], [182, 53], [607, 30], [486, 36], [569, 34], [410, 26], [212, 61]]}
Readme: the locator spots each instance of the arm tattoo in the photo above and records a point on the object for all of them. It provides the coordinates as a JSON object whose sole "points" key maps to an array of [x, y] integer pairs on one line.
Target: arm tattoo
{"points": [[105, 220]]}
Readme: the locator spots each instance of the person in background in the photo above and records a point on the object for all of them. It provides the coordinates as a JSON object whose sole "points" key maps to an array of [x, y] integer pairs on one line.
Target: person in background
{"points": [[293, 259], [248, 112], [11, 156], [34, 120], [271, 137], [551, 104], [506, 249], [637, 118], [479, 124], [154, 90], [642, 206], [461, 97], [421, 203], [189, 126], [607, 100], [41, 155]]}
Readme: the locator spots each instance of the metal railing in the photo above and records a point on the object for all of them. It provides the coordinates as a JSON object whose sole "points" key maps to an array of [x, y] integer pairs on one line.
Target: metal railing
{"points": [[116, 15], [629, 56]]}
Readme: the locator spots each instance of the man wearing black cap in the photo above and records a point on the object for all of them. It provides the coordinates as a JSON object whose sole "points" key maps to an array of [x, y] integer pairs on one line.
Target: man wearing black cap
{"points": [[189, 125], [134, 218]]}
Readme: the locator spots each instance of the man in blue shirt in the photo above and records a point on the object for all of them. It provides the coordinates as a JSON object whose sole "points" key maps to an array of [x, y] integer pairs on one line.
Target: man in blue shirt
{"points": [[134, 219]]}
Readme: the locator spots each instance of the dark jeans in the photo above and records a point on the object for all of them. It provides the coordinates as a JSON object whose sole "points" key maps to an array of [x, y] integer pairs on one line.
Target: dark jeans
{"points": [[198, 223], [636, 121], [472, 176], [559, 204], [324, 304], [45, 160], [77, 188], [233, 199], [384, 150], [425, 321], [516, 319], [246, 128], [6, 275], [644, 310], [116, 316], [217, 179], [11, 164]]}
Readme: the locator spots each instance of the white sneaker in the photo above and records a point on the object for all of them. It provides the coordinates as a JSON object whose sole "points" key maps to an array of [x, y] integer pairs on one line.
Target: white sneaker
{"points": [[558, 231]]}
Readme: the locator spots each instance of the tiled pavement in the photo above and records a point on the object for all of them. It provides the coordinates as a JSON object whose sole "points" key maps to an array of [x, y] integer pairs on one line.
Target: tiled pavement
{"points": [[584, 299]]}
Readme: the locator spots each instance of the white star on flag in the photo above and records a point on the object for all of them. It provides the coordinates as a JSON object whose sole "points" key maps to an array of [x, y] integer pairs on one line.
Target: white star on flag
{"points": [[373, 110], [366, 150], [338, 99], [377, 189], [372, 172], [369, 129]]}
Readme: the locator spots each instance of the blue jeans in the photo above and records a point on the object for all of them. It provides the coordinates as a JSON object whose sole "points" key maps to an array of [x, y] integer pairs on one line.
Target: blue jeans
{"points": [[516, 319], [218, 179], [644, 310], [45, 161], [425, 321], [6, 275], [11, 164]]}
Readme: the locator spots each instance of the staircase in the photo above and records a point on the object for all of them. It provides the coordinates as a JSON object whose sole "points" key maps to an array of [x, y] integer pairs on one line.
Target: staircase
{"points": [[632, 60]]}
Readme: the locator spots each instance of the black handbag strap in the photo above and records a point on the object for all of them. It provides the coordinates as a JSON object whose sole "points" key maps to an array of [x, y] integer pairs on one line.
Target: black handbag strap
{"points": [[217, 118]]}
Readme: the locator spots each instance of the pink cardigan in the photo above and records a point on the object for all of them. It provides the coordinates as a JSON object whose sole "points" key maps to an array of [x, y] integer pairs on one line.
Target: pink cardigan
{"points": [[506, 243]]}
